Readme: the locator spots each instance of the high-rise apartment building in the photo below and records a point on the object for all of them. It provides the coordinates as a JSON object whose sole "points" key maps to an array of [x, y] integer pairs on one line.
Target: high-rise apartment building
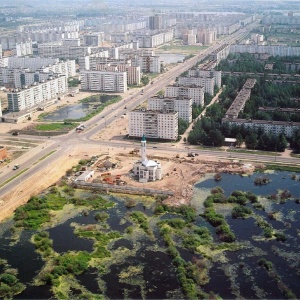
{"points": [[153, 124], [155, 22], [38, 94], [103, 81], [208, 83], [181, 105], [193, 92]]}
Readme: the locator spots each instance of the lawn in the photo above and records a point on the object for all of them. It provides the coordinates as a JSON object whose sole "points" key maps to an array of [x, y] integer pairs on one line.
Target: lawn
{"points": [[56, 126], [189, 49]]}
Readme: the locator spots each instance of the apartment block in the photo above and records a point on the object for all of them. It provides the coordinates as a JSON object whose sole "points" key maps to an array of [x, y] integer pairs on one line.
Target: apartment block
{"points": [[102, 81], [93, 39], [220, 53], [208, 83], [58, 50], [153, 124], [275, 127], [207, 73], [38, 94], [271, 50], [167, 104], [133, 73], [26, 71], [24, 49], [193, 92], [149, 64], [154, 40], [206, 36], [240, 100]]}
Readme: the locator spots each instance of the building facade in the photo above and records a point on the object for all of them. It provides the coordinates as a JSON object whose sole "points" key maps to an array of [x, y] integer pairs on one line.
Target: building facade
{"points": [[22, 99], [103, 81], [154, 124], [208, 83], [193, 92], [181, 105]]}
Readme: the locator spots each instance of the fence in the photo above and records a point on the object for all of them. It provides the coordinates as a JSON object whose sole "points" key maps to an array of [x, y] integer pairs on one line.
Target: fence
{"points": [[122, 189]]}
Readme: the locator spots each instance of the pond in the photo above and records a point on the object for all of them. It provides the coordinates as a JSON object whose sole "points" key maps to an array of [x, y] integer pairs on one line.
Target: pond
{"points": [[79, 110], [74, 111], [140, 266]]}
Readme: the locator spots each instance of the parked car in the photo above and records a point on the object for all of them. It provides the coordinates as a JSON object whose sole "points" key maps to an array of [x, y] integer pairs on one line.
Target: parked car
{"points": [[15, 133]]}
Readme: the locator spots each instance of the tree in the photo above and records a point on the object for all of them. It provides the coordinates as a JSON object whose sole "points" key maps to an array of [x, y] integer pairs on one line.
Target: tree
{"points": [[216, 137], [251, 140], [145, 80], [182, 126], [239, 140]]}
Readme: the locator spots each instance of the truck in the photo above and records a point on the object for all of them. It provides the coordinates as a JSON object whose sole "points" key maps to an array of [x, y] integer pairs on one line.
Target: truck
{"points": [[16, 167]]}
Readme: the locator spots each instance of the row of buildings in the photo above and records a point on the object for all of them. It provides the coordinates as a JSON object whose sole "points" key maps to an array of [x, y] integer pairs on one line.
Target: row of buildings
{"points": [[160, 119]]}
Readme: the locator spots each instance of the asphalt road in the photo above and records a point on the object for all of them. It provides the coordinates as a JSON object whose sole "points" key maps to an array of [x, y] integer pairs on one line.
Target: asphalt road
{"points": [[64, 144]]}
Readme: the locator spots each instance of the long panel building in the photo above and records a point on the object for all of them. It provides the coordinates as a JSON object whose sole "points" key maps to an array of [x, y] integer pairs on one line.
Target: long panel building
{"points": [[153, 124], [102, 81], [22, 99]]}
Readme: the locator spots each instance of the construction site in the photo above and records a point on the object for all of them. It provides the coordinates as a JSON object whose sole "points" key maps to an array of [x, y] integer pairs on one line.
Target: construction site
{"points": [[180, 173]]}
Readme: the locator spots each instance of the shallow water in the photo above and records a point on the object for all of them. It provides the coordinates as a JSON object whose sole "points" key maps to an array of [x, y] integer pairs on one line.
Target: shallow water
{"points": [[237, 276]]}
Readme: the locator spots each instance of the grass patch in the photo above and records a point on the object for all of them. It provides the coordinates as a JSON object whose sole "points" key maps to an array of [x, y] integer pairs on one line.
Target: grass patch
{"points": [[183, 48], [267, 153], [297, 155], [44, 157], [37, 210], [12, 178], [283, 168], [56, 126]]}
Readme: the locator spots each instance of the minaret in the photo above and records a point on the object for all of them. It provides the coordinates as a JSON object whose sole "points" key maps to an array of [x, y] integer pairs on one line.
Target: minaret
{"points": [[143, 149]]}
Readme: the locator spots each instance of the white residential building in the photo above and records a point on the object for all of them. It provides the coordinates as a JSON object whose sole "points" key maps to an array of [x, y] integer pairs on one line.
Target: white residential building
{"points": [[193, 92], [24, 49], [57, 49], [207, 74], [149, 64], [181, 105], [153, 124], [152, 41], [67, 68], [207, 83], [39, 94], [133, 73], [25, 71], [89, 62], [275, 127], [93, 39], [103, 81]]}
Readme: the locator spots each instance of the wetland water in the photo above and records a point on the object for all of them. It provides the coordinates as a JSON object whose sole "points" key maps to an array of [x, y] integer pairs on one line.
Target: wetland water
{"points": [[139, 265]]}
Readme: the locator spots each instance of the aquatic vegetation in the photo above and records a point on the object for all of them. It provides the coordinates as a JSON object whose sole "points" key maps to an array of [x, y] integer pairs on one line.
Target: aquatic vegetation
{"points": [[43, 244], [101, 216], [241, 211], [141, 219], [9, 283], [37, 210], [123, 262], [261, 180]]}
